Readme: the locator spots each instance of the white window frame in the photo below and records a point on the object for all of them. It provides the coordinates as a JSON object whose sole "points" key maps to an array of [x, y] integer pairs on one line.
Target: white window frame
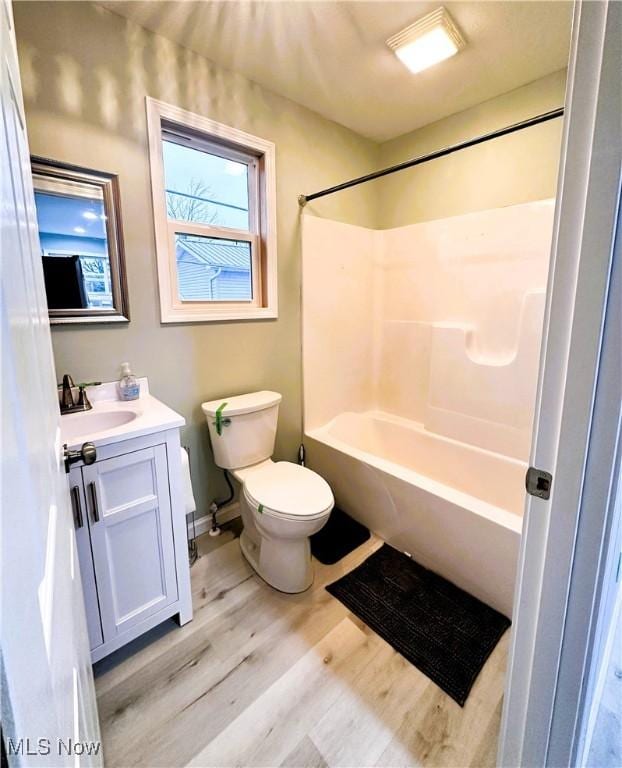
{"points": [[259, 154]]}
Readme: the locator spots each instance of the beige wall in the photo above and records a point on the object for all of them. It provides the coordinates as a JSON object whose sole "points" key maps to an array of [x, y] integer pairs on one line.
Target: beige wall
{"points": [[85, 75], [84, 88], [518, 168]]}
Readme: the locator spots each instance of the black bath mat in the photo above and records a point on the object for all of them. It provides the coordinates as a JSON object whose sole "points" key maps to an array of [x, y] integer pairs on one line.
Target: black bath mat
{"points": [[338, 537], [445, 632]]}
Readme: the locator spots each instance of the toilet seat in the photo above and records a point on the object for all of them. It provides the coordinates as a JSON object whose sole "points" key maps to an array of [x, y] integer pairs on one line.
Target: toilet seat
{"points": [[288, 491]]}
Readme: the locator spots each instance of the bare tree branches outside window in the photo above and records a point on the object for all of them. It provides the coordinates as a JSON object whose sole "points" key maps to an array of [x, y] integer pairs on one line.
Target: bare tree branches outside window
{"points": [[191, 205]]}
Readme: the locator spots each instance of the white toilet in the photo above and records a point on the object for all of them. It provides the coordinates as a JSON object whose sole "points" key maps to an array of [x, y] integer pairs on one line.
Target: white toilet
{"points": [[282, 503]]}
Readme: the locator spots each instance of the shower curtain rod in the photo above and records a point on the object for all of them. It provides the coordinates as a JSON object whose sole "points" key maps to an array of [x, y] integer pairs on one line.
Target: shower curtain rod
{"points": [[543, 118]]}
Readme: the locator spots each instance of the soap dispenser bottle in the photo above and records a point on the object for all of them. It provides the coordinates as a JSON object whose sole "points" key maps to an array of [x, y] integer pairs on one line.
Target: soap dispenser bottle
{"points": [[129, 388]]}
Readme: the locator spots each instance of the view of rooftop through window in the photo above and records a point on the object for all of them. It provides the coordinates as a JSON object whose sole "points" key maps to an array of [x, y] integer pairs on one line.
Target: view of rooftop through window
{"points": [[205, 188], [213, 269]]}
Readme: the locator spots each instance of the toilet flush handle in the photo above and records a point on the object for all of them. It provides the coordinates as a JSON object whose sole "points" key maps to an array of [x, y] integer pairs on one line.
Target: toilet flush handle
{"points": [[220, 420]]}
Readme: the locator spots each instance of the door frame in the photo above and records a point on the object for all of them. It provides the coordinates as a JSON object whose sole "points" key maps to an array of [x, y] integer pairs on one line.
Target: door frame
{"points": [[577, 422]]}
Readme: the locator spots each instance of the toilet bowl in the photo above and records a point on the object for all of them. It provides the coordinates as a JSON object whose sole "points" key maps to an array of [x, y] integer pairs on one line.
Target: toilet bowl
{"points": [[282, 504]]}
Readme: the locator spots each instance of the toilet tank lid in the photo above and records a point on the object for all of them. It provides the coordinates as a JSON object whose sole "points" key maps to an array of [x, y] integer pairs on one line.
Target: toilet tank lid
{"points": [[239, 404]]}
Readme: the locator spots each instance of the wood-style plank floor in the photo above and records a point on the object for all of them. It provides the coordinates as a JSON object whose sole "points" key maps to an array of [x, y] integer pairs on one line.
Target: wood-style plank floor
{"points": [[259, 678]]}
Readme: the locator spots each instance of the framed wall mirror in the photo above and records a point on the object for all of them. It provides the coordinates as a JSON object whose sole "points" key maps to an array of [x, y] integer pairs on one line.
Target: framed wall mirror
{"points": [[79, 219]]}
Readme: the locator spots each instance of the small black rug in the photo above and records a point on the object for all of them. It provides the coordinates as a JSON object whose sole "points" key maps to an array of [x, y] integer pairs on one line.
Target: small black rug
{"points": [[441, 629], [338, 537]]}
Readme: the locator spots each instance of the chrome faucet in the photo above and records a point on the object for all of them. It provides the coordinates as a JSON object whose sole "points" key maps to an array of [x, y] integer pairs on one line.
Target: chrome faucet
{"points": [[67, 403]]}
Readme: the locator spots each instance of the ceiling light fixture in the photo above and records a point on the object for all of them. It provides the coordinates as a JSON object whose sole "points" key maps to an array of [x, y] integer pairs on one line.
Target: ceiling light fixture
{"points": [[433, 38]]}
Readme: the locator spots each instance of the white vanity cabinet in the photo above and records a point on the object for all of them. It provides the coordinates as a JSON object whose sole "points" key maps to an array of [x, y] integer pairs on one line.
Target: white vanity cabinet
{"points": [[131, 538]]}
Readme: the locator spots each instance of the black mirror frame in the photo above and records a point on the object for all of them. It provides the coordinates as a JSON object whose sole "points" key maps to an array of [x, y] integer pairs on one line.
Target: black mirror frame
{"points": [[109, 184]]}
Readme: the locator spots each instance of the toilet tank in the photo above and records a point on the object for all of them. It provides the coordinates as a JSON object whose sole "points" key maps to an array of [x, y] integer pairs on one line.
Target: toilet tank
{"points": [[242, 428]]}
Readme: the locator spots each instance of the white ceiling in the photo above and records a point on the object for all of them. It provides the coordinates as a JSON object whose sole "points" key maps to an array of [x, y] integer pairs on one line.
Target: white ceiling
{"points": [[332, 58]]}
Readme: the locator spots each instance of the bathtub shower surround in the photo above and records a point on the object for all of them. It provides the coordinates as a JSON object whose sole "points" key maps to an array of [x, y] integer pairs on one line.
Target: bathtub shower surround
{"points": [[421, 349]]}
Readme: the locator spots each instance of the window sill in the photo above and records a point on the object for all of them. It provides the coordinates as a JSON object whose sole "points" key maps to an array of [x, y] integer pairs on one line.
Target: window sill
{"points": [[218, 314]]}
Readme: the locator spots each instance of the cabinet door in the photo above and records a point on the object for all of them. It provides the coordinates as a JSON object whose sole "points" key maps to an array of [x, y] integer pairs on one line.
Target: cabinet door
{"points": [[85, 557], [132, 537]]}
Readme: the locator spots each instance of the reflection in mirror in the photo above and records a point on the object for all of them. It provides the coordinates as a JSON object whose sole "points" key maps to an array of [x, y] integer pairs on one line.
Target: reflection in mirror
{"points": [[81, 243]]}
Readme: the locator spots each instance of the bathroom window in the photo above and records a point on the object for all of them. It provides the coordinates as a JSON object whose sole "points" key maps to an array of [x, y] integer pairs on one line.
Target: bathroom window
{"points": [[215, 222]]}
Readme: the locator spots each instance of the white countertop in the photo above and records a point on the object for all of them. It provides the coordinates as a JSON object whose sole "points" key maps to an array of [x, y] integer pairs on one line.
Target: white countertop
{"points": [[133, 418]]}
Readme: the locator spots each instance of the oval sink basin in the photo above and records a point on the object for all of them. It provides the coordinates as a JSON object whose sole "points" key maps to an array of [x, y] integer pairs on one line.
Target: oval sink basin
{"points": [[90, 422]]}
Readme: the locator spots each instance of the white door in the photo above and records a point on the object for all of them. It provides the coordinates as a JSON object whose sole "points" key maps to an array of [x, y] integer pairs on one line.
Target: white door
{"points": [[47, 694], [132, 537], [562, 567]]}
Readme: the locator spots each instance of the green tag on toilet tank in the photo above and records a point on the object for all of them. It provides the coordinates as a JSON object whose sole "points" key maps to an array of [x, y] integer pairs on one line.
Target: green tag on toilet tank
{"points": [[260, 509], [219, 411]]}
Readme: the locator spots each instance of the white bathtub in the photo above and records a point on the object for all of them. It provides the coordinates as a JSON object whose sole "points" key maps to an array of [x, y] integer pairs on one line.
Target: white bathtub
{"points": [[456, 508]]}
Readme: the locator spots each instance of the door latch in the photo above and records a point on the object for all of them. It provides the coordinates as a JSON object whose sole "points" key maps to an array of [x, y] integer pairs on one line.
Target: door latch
{"points": [[87, 454], [538, 482]]}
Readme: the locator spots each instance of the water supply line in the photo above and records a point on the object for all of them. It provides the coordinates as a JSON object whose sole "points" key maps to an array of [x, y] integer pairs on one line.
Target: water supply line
{"points": [[216, 505]]}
